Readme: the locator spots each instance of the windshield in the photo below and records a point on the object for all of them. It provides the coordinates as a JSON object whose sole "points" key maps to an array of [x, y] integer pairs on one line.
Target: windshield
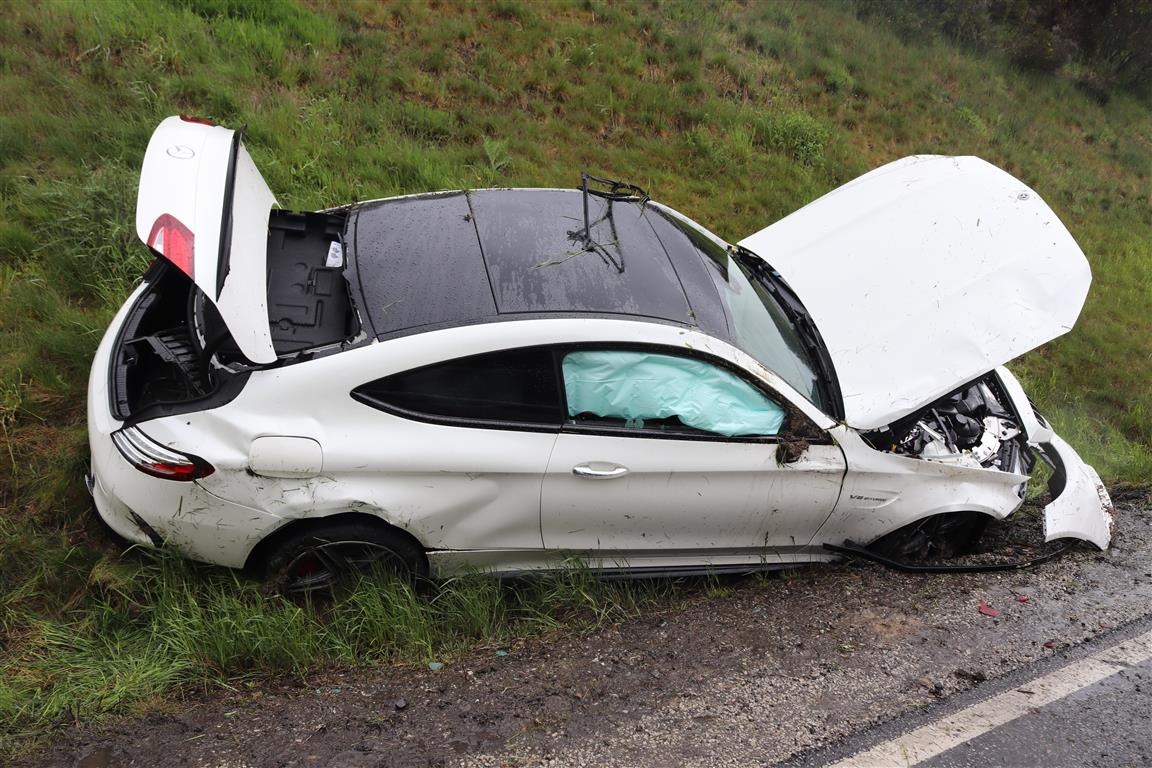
{"points": [[759, 321], [763, 330]]}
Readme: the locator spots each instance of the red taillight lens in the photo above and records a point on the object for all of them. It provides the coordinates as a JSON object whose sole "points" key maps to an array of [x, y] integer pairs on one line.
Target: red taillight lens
{"points": [[174, 241], [194, 119], [154, 459]]}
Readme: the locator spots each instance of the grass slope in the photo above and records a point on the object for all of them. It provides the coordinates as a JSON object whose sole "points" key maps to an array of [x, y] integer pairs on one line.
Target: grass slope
{"points": [[735, 114]]}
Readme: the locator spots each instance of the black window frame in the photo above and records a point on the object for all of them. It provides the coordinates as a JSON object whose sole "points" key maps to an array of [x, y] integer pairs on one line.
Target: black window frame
{"points": [[367, 399]]}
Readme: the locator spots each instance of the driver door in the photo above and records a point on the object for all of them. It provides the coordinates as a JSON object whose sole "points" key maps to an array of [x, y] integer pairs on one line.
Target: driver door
{"points": [[667, 454]]}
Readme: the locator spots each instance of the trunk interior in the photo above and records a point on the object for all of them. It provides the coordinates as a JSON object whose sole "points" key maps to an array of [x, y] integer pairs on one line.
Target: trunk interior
{"points": [[175, 352], [308, 303]]}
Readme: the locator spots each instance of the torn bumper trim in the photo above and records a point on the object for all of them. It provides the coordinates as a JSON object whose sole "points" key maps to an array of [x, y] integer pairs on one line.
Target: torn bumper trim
{"points": [[1081, 507]]}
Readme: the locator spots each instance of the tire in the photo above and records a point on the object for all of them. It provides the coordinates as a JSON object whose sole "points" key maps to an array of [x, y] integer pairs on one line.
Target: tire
{"points": [[324, 559]]}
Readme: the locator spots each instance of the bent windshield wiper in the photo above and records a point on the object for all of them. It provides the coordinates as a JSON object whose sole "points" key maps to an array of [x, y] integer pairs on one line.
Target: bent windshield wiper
{"points": [[617, 190]]}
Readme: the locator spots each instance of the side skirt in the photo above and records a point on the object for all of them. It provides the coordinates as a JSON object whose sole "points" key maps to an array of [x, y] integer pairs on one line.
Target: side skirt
{"points": [[620, 564]]}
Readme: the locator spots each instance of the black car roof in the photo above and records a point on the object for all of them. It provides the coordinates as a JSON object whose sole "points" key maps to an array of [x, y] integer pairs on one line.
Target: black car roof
{"points": [[457, 258]]}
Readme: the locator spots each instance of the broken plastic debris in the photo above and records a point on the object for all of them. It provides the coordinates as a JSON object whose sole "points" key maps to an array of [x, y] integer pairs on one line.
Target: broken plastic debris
{"points": [[1022, 598], [1050, 644], [501, 653], [987, 610], [435, 666]]}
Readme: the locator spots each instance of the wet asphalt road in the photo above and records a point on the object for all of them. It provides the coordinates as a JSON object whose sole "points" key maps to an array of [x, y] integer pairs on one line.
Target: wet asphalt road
{"points": [[1107, 724], [1102, 724]]}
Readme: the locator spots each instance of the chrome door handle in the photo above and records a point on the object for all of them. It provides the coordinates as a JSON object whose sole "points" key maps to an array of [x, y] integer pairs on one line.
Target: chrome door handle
{"points": [[599, 470]]}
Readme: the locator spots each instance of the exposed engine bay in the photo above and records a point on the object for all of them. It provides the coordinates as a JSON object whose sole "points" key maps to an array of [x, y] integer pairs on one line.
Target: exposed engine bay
{"points": [[971, 427]]}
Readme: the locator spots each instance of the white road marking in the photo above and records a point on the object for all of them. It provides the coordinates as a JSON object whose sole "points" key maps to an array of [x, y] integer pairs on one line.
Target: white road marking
{"points": [[955, 729]]}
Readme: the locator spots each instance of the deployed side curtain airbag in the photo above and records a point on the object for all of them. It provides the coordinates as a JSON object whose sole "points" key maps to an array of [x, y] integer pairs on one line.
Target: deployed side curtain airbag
{"points": [[638, 386]]}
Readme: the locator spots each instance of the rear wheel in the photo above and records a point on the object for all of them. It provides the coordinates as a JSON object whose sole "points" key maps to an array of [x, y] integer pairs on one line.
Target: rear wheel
{"points": [[326, 558]]}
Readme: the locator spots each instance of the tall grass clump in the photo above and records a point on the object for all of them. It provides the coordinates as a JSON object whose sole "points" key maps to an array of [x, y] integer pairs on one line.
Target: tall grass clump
{"points": [[152, 621]]}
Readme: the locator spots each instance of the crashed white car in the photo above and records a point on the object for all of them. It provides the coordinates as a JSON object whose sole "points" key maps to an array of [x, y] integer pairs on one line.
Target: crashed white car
{"points": [[510, 379]]}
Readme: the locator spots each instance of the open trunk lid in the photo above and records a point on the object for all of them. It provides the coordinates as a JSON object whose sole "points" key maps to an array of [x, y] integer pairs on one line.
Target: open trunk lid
{"points": [[925, 274], [204, 207]]}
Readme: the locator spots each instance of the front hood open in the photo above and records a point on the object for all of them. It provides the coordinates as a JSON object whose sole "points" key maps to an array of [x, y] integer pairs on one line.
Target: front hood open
{"points": [[924, 274], [204, 206]]}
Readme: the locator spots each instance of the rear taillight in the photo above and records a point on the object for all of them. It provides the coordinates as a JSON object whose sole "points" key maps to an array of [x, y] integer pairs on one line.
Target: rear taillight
{"points": [[154, 459], [174, 241], [198, 120]]}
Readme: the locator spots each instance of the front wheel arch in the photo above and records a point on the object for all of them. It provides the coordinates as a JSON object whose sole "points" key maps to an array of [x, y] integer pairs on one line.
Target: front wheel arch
{"points": [[943, 535]]}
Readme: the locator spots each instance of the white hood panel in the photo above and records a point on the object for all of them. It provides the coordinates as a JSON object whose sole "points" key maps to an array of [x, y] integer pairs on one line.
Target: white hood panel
{"points": [[185, 177], [925, 274]]}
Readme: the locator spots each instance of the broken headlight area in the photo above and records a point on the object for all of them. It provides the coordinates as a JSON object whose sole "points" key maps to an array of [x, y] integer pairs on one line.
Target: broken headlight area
{"points": [[973, 427]]}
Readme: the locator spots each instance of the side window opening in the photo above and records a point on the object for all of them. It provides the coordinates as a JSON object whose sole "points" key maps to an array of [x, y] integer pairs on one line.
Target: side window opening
{"points": [[666, 393], [512, 386]]}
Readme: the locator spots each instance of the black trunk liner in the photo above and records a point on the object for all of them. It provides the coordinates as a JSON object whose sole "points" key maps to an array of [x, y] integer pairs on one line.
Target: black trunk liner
{"points": [[308, 304]]}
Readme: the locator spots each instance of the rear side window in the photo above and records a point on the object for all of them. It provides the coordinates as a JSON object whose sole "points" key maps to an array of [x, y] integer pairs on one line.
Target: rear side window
{"points": [[509, 387]]}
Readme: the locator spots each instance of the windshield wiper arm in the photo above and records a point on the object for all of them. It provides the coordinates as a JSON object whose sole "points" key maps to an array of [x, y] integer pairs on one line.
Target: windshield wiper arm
{"points": [[617, 190]]}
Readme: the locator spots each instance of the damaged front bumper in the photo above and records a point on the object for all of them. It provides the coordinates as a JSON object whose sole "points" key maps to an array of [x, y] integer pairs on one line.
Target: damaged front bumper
{"points": [[1080, 507]]}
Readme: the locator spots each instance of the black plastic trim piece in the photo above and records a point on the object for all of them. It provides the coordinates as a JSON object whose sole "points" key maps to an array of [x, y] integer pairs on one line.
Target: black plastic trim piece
{"points": [[153, 536], [609, 431], [1059, 477], [447, 421], [617, 573], [230, 387], [224, 249]]}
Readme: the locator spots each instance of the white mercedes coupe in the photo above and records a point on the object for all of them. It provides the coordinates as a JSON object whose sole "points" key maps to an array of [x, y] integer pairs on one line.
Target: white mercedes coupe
{"points": [[508, 380]]}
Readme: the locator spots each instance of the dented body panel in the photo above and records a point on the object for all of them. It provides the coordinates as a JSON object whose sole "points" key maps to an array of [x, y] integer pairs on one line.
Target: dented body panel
{"points": [[1081, 507], [886, 491], [687, 496]]}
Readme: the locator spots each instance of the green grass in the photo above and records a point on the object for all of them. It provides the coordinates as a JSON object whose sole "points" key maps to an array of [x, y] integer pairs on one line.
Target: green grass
{"points": [[734, 114], [146, 623]]}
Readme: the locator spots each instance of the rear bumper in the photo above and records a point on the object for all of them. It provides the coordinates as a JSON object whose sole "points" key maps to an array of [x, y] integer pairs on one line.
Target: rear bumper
{"points": [[116, 514], [1080, 507]]}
